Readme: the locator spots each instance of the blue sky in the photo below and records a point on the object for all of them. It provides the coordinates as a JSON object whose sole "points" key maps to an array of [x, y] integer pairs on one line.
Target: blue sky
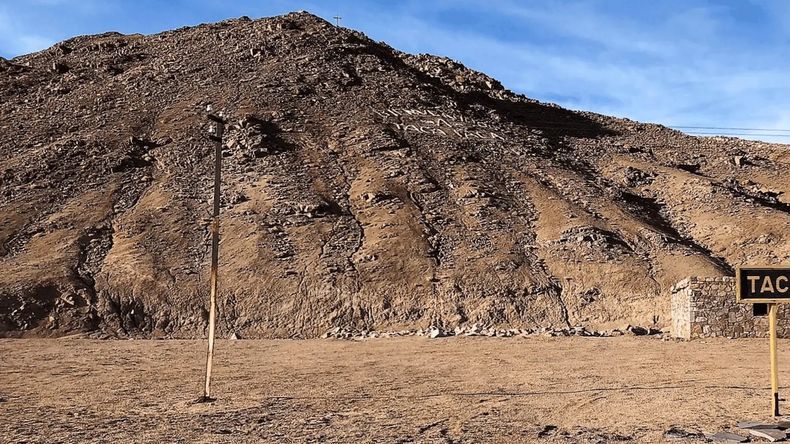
{"points": [[676, 62]]}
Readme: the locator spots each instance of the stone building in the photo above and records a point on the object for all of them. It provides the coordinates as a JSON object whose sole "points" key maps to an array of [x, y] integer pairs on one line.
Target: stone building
{"points": [[706, 308]]}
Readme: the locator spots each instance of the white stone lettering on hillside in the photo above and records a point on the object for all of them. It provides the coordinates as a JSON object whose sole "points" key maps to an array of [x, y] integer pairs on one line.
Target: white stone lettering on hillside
{"points": [[438, 123]]}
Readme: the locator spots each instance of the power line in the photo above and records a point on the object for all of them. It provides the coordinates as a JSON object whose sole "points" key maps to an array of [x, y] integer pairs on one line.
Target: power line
{"points": [[731, 128], [702, 133]]}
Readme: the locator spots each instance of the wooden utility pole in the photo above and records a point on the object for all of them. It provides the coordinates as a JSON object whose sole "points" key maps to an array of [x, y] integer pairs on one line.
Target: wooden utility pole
{"points": [[337, 20], [212, 312]]}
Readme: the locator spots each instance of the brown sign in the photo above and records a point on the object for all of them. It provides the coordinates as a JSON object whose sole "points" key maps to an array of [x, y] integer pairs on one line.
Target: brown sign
{"points": [[770, 284]]}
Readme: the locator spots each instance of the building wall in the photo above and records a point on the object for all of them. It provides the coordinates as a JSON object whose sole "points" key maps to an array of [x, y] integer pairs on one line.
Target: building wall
{"points": [[706, 308], [681, 309]]}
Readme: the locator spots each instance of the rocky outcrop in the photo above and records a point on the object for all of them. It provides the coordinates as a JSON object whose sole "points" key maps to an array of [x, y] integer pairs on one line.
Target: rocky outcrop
{"points": [[363, 189]]}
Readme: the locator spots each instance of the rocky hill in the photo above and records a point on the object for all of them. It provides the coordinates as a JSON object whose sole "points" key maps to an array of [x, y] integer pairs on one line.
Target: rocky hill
{"points": [[363, 188]]}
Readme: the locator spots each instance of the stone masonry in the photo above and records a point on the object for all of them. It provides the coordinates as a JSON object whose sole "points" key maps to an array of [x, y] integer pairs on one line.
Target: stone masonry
{"points": [[706, 308]]}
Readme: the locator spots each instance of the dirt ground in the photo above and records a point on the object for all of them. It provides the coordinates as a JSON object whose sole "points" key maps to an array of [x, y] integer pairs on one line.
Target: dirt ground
{"points": [[453, 390]]}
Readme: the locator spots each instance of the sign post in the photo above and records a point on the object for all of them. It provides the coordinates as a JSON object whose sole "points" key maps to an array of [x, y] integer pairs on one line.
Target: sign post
{"points": [[769, 285], [772, 308]]}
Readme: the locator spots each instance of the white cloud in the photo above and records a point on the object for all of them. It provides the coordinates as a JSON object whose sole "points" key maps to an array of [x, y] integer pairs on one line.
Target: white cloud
{"points": [[28, 43], [685, 70], [32, 25], [14, 42]]}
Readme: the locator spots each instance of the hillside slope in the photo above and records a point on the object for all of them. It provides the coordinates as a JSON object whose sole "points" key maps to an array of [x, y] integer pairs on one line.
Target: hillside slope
{"points": [[363, 187]]}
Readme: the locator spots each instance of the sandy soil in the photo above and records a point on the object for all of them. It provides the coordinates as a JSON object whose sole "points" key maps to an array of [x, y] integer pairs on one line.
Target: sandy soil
{"points": [[455, 390]]}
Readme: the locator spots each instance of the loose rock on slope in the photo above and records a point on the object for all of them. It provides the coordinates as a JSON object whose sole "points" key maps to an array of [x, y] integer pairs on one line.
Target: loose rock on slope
{"points": [[364, 188]]}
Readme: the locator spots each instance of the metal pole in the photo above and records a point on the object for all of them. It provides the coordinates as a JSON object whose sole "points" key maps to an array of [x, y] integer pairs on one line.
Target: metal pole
{"points": [[212, 313], [772, 309]]}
